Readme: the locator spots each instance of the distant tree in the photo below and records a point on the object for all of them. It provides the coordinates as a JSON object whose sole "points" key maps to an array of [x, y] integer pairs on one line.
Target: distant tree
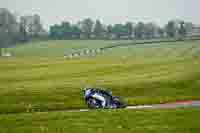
{"points": [[23, 29], [188, 27], [150, 30], [160, 32], [26, 25], [9, 29], [182, 29], [98, 29], [129, 29], [55, 32], [119, 30], [76, 31], [66, 30], [139, 30], [109, 31], [170, 29], [30, 26], [87, 27], [37, 25]]}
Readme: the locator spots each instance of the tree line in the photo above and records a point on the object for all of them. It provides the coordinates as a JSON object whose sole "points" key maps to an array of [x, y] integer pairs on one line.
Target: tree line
{"points": [[26, 28], [22, 29], [90, 29]]}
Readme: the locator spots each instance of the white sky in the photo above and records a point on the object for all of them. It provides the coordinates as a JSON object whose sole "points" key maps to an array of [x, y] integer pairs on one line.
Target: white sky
{"points": [[109, 11]]}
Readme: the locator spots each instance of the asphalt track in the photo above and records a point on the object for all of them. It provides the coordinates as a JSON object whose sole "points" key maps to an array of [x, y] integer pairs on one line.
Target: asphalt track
{"points": [[150, 42], [168, 41], [173, 105]]}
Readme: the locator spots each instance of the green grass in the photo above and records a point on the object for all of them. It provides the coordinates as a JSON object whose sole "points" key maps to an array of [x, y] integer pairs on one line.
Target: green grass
{"points": [[141, 74], [119, 121], [37, 79], [158, 50], [55, 48], [59, 47]]}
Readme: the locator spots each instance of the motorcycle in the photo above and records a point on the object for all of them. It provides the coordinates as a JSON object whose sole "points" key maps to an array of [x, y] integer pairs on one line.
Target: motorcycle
{"points": [[112, 102]]}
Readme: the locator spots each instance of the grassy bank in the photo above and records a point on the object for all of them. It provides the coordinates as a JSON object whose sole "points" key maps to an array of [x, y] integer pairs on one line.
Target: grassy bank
{"points": [[31, 85], [141, 74]]}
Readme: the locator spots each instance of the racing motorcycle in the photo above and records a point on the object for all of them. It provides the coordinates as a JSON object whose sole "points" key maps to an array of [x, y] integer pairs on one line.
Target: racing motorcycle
{"points": [[97, 98]]}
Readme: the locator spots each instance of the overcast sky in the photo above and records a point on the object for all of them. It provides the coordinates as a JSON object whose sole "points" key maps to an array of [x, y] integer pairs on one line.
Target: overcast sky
{"points": [[109, 11]]}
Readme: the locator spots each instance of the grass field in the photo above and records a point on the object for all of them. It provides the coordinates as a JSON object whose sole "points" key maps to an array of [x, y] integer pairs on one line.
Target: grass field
{"points": [[120, 121], [56, 48], [38, 78]]}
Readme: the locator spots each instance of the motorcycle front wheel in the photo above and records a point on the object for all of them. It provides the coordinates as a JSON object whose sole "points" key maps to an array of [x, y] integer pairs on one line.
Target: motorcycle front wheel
{"points": [[93, 103]]}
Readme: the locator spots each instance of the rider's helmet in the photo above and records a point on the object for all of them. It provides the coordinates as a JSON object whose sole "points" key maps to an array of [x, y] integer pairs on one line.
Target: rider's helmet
{"points": [[86, 88]]}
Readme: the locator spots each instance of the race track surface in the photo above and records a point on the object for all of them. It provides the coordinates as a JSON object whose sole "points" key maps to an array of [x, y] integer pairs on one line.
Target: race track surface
{"points": [[178, 104]]}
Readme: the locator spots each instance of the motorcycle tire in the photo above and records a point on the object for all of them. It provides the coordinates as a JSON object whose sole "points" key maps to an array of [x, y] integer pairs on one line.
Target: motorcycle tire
{"points": [[93, 103]]}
